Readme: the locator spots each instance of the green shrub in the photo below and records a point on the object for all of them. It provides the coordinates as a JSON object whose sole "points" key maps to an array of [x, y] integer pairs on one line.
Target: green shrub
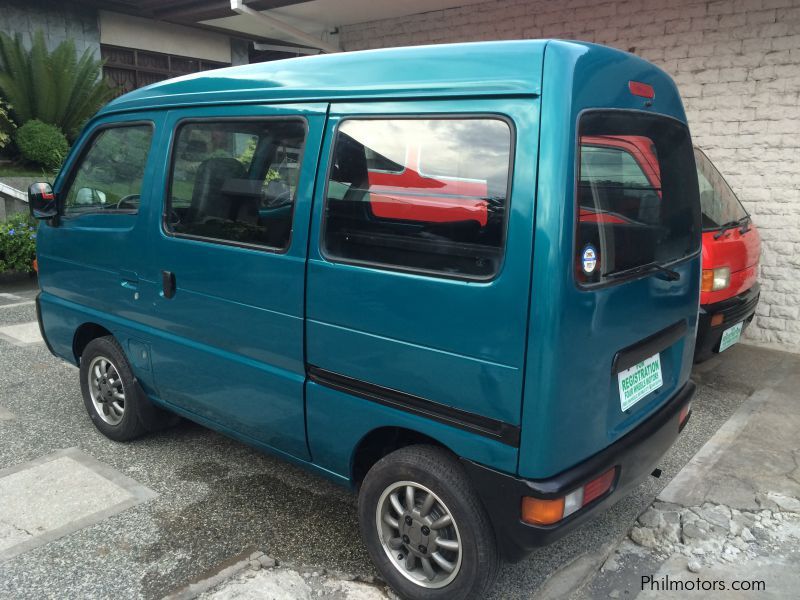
{"points": [[6, 126], [57, 87], [42, 144], [17, 244]]}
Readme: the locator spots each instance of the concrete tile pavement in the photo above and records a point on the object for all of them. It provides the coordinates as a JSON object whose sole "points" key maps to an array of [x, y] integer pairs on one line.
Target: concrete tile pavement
{"points": [[58, 494]]}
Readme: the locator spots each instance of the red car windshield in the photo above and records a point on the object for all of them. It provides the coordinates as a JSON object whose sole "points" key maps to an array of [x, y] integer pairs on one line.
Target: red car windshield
{"points": [[719, 204]]}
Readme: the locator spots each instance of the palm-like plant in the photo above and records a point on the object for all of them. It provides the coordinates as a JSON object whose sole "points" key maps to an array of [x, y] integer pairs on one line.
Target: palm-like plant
{"points": [[55, 87]]}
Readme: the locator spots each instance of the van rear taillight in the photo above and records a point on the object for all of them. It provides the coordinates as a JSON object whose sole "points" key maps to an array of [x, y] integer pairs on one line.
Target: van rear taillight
{"points": [[644, 90], [537, 511], [598, 487]]}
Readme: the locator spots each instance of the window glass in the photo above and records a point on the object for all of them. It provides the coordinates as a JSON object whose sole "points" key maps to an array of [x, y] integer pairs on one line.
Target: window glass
{"points": [[236, 181], [420, 194], [719, 204], [109, 176], [378, 162], [607, 163], [637, 197]]}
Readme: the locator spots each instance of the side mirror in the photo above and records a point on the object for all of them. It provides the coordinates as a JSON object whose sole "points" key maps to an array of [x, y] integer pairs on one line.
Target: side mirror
{"points": [[42, 201]]}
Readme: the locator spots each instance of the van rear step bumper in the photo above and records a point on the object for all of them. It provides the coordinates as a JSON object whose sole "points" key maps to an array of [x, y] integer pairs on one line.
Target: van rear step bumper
{"points": [[635, 455]]}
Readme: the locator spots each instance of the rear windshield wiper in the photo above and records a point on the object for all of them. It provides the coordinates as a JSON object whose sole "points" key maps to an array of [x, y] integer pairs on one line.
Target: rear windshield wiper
{"points": [[669, 273], [743, 223]]}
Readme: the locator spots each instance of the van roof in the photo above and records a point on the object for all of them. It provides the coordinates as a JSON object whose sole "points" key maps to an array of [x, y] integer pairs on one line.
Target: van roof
{"points": [[469, 69]]}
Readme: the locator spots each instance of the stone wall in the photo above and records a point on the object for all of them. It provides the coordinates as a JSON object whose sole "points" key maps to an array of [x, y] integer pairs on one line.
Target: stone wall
{"points": [[737, 64], [58, 20]]}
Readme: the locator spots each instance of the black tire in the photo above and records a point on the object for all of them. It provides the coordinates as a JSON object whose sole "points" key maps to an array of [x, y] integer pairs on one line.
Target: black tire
{"points": [[137, 408], [440, 472]]}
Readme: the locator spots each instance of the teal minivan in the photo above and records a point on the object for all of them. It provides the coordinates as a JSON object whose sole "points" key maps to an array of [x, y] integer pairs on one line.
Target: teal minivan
{"points": [[402, 269]]}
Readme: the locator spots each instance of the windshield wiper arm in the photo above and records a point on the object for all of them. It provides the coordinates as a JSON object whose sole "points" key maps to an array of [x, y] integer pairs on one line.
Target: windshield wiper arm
{"points": [[730, 225], [669, 274], [745, 222]]}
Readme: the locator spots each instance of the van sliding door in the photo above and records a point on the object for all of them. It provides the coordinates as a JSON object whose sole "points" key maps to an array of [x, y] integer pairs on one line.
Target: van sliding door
{"points": [[420, 258], [229, 268]]}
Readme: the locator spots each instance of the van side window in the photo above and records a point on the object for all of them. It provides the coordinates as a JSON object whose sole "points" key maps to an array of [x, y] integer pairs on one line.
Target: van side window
{"points": [[425, 195], [236, 181], [109, 176], [637, 195]]}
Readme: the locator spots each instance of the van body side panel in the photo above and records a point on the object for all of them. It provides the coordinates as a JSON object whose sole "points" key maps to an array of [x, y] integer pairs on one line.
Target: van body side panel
{"points": [[338, 421], [228, 346], [572, 407], [456, 343]]}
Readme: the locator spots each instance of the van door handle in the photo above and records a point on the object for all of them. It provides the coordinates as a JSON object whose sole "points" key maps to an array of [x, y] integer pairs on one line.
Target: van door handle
{"points": [[129, 280], [168, 283]]}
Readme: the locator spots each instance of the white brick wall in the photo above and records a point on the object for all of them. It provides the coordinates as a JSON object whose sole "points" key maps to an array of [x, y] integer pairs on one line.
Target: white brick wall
{"points": [[737, 63]]}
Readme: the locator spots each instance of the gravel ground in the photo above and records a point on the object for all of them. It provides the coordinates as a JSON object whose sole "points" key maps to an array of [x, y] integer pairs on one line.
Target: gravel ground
{"points": [[218, 498]]}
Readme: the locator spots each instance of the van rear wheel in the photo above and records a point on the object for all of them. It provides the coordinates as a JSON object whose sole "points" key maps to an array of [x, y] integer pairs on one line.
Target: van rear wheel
{"points": [[112, 398], [425, 528]]}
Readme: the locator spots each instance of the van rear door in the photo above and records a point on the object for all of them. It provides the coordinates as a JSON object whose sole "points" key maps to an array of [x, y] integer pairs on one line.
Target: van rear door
{"points": [[622, 341]]}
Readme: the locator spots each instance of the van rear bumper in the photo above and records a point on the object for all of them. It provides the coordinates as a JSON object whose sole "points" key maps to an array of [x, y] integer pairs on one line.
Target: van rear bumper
{"points": [[635, 455]]}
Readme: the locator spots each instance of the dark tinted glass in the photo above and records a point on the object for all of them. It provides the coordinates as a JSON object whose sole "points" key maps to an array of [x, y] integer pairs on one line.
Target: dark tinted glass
{"points": [[637, 194], [420, 194], [719, 204], [236, 181]]}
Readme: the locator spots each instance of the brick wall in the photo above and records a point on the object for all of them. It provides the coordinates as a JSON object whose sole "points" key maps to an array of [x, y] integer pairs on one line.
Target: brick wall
{"points": [[58, 21], [737, 64]]}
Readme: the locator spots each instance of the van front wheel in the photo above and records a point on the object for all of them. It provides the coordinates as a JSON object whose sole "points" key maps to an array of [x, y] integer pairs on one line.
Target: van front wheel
{"points": [[112, 398], [425, 527]]}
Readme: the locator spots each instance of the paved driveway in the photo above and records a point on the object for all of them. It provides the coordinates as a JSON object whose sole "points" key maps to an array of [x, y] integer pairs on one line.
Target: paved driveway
{"points": [[204, 499]]}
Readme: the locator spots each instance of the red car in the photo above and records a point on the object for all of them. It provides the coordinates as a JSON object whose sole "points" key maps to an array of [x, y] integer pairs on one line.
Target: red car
{"points": [[731, 244], [731, 250], [407, 193]]}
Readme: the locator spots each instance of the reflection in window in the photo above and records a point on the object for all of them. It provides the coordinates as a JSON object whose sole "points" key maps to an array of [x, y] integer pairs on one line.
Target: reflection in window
{"points": [[236, 181], [421, 194], [637, 195], [109, 176]]}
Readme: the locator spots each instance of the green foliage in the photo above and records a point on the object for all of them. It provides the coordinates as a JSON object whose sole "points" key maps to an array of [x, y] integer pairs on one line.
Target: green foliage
{"points": [[17, 244], [56, 87], [42, 144], [6, 126], [246, 158]]}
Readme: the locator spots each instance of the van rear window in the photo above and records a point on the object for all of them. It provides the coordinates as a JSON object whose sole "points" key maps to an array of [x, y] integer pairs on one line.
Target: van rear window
{"points": [[423, 195], [638, 200]]}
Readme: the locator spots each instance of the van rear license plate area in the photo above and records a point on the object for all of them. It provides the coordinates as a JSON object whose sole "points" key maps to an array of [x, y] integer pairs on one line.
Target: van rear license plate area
{"points": [[638, 381]]}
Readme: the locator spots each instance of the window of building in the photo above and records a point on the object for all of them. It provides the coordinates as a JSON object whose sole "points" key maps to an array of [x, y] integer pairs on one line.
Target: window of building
{"points": [[236, 181], [129, 68], [428, 195]]}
